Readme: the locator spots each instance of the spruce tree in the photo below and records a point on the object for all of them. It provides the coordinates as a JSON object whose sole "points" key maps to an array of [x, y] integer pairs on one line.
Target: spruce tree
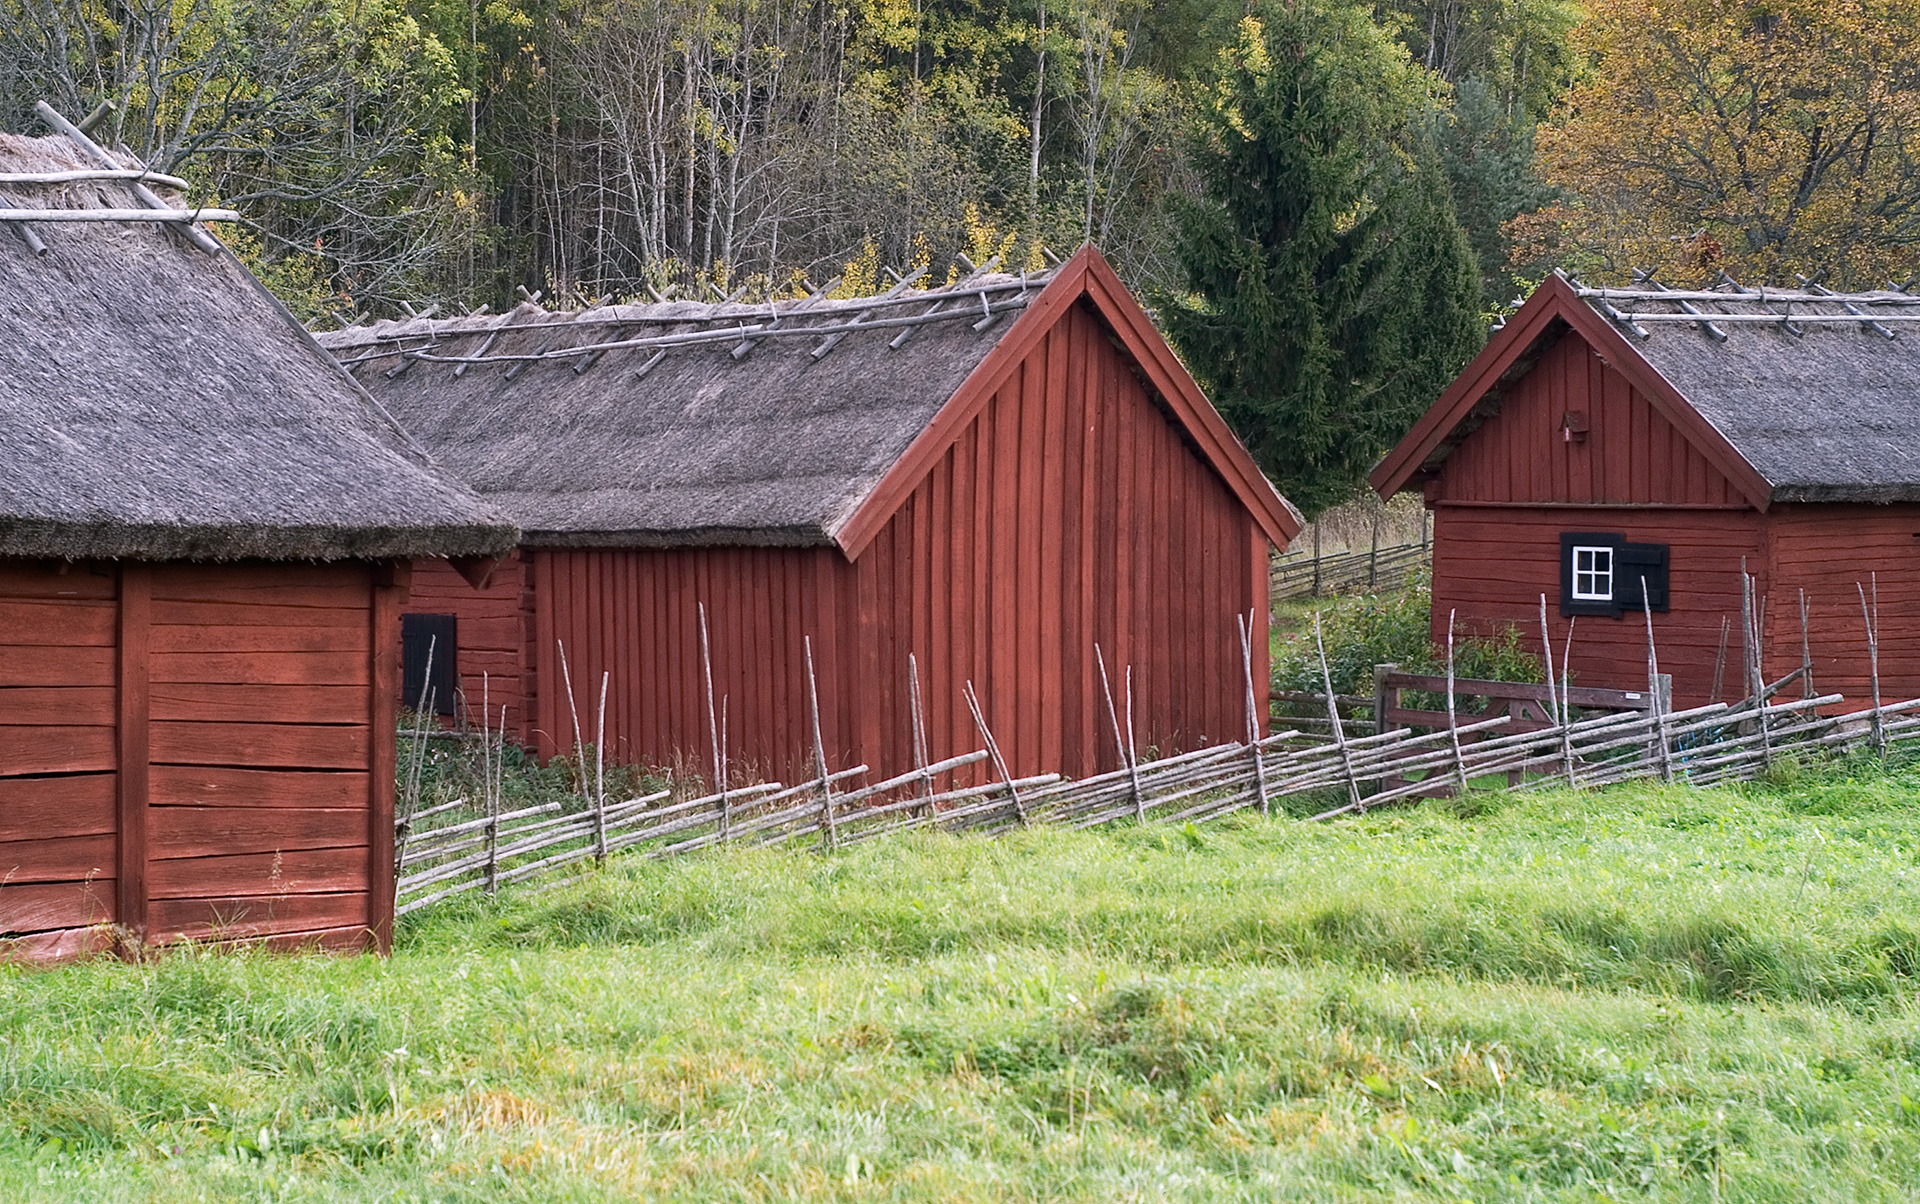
{"points": [[1332, 292]]}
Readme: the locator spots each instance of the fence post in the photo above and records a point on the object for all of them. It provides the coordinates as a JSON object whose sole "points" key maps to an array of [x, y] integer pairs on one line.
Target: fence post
{"points": [[1333, 719], [828, 825], [1654, 680], [1453, 722], [1872, 621], [1253, 713], [999, 762], [1384, 698], [713, 725], [1316, 559], [1124, 745]]}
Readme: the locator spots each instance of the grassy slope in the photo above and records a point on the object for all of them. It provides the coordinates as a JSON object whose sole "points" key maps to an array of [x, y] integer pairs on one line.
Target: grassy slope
{"points": [[1656, 994]]}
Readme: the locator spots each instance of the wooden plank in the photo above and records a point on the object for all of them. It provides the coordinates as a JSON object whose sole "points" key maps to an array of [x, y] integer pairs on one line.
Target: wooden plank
{"points": [[173, 612], [58, 579], [336, 584], [58, 706], [58, 859], [134, 745], [58, 946], [262, 745], [199, 786], [260, 638], [205, 702], [261, 668], [208, 831], [69, 805], [56, 623], [230, 917], [24, 666], [389, 593], [40, 906], [31, 750], [308, 871]]}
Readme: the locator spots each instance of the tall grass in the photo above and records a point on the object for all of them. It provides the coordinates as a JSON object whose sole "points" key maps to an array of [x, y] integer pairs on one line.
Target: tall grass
{"points": [[1642, 994]]}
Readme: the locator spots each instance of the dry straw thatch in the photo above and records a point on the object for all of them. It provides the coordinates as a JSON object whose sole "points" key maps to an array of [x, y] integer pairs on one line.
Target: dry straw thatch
{"points": [[1819, 391], [157, 403], [683, 423]]}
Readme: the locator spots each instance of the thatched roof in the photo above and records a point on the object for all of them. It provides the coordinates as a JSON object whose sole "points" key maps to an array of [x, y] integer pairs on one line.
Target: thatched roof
{"points": [[1824, 406], [683, 423], [1798, 395], [157, 403]]}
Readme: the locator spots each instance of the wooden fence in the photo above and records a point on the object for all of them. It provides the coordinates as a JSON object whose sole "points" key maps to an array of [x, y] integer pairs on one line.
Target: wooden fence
{"points": [[449, 849], [1382, 567]]}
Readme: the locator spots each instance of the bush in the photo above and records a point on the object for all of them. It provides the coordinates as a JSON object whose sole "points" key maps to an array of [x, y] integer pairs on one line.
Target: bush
{"points": [[1365, 630]]}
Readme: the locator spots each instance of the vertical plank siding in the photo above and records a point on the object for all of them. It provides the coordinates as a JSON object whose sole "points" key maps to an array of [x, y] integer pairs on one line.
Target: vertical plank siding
{"points": [[1631, 454], [1516, 481], [1069, 512], [194, 752], [493, 632]]}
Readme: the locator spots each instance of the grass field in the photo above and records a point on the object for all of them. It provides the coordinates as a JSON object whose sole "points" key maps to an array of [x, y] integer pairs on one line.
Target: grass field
{"points": [[1646, 994]]}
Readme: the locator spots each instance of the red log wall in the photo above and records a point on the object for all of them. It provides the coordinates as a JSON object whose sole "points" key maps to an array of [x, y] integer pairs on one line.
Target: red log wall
{"points": [[1070, 512], [195, 751]]}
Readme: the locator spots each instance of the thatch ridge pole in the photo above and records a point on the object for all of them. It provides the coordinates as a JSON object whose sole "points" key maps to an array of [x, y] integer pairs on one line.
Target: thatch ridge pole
{"points": [[1453, 722], [713, 725], [52, 116], [1654, 700], [1253, 714], [1123, 746], [1333, 717], [828, 822], [993, 750], [26, 232]]}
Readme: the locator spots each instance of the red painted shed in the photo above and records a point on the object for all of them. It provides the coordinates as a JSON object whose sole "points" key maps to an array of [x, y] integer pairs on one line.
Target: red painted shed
{"points": [[1607, 434], [206, 531], [993, 476]]}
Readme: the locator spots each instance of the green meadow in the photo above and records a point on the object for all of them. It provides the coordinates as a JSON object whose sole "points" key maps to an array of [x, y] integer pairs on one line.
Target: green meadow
{"points": [[1639, 994]]}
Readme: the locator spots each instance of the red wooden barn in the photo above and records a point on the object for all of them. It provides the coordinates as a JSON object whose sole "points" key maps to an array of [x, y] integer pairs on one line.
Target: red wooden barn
{"points": [[1606, 435], [994, 476], [206, 532]]}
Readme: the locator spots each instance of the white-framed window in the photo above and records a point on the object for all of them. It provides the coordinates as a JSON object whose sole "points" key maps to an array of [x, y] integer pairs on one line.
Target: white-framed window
{"points": [[1592, 573]]}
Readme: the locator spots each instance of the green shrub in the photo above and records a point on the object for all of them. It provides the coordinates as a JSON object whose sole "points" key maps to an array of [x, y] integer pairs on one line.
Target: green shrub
{"points": [[1365, 630]]}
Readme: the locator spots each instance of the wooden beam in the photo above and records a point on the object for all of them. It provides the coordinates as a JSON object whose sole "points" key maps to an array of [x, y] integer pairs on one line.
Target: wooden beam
{"points": [[131, 752], [390, 588]]}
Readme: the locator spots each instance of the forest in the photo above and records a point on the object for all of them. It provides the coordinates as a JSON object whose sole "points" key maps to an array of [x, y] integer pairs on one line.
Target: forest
{"points": [[1321, 201]]}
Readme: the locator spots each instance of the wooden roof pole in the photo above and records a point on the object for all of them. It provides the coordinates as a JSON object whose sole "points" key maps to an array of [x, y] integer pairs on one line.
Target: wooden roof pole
{"points": [[47, 113]]}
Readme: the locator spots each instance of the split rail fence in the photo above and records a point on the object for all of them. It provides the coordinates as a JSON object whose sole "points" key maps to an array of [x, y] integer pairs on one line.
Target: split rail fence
{"points": [[1558, 740]]}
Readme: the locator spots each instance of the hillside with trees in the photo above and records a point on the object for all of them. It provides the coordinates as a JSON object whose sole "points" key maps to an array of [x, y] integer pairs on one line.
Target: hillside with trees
{"points": [[1324, 202]]}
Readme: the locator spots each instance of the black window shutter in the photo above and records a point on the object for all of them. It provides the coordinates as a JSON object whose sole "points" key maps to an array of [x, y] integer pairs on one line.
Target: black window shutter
{"points": [[1569, 605], [1635, 561], [417, 634]]}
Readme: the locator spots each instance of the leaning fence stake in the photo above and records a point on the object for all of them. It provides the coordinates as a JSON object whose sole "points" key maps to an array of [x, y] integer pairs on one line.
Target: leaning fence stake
{"points": [[1653, 687], [1453, 723], [1556, 700], [1253, 714], [1720, 661], [828, 823], [1872, 621], [573, 709], [713, 725], [1122, 745], [919, 720], [1566, 703], [993, 750], [1333, 717], [1806, 652], [599, 771]]}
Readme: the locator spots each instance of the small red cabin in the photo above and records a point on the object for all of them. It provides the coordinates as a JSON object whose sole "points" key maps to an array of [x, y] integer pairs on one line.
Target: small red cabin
{"points": [[206, 531], [994, 476], [1606, 436]]}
